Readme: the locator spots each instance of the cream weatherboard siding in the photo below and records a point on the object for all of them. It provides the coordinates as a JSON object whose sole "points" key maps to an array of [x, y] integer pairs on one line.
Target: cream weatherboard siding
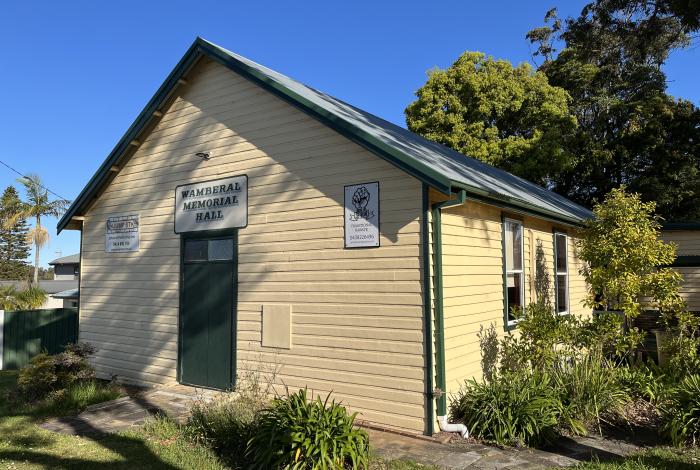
{"points": [[691, 286], [356, 325], [688, 243], [473, 280]]}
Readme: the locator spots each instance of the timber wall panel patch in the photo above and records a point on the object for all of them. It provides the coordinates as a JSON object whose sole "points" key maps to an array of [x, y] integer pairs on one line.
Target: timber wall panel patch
{"points": [[277, 326]]}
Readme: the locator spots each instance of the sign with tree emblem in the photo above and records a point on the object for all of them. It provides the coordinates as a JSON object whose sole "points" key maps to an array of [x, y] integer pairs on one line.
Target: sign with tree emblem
{"points": [[362, 215]]}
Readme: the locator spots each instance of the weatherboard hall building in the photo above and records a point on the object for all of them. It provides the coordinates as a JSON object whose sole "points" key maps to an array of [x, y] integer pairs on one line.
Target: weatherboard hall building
{"points": [[246, 218]]}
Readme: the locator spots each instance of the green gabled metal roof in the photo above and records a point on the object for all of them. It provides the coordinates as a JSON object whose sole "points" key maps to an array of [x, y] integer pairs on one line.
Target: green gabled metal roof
{"points": [[436, 165]]}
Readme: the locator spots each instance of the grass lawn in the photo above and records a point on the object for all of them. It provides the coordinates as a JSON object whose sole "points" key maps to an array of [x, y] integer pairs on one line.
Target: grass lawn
{"points": [[659, 458], [24, 445], [158, 445]]}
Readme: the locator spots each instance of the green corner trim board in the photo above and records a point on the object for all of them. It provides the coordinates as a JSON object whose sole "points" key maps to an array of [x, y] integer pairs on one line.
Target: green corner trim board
{"points": [[435, 165]]}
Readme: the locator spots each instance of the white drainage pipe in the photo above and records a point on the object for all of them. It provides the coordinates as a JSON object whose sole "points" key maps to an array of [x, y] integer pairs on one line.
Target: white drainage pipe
{"points": [[452, 427]]}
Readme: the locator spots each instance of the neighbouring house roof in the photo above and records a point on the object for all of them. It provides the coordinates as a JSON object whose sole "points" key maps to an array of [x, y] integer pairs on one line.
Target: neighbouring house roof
{"points": [[48, 286], [70, 259], [436, 165], [67, 294]]}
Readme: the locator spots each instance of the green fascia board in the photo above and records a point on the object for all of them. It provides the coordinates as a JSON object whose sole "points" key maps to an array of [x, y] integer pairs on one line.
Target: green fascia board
{"points": [[203, 47], [132, 133], [426, 169]]}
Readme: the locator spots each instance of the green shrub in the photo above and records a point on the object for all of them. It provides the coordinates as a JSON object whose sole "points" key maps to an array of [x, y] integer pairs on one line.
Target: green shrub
{"points": [[38, 378], [296, 433], [225, 424], [604, 333], [541, 333], [46, 374], [515, 409], [682, 344], [545, 338], [681, 412], [589, 390], [644, 380]]}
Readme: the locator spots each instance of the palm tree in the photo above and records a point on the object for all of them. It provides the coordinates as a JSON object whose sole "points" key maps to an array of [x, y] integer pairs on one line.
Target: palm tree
{"points": [[37, 205], [28, 299]]}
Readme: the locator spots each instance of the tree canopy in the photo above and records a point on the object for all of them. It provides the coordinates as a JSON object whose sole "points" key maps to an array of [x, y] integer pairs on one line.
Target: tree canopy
{"points": [[630, 130], [38, 204], [595, 114], [623, 250], [506, 116], [14, 248]]}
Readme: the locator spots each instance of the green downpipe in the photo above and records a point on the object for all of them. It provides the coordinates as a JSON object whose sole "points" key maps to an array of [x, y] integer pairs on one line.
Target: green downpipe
{"points": [[439, 304], [427, 314]]}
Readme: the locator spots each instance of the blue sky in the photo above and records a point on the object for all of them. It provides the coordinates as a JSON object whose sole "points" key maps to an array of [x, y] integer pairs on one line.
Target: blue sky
{"points": [[75, 74]]}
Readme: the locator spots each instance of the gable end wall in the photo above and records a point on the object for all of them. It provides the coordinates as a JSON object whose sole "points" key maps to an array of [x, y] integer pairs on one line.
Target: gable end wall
{"points": [[356, 325]]}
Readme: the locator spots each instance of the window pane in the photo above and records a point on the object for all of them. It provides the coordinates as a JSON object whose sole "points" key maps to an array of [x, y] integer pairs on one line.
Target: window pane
{"points": [[561, 253], [220, 249], [514, 246], [514, 290], [195, 250], [562, 300]]}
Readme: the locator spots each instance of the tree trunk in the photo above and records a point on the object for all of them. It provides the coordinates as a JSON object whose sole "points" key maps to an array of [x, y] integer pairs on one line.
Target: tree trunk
{"points": [[36, 251]]}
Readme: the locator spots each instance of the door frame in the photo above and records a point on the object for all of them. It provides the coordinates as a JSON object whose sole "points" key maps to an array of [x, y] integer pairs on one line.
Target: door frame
{"points": [[207, 234]]}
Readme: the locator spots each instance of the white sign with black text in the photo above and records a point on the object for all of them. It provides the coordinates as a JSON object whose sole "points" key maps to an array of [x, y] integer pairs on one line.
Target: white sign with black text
{"points": [[362, 215], [212, 205], [122, 233]]}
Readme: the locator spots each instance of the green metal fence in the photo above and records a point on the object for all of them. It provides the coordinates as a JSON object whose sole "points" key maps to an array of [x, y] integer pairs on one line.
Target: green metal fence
{"points": [[25, 333]]}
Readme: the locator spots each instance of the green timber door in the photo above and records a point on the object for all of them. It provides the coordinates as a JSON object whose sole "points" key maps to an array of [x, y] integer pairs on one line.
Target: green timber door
{"points": [[206, 312]]}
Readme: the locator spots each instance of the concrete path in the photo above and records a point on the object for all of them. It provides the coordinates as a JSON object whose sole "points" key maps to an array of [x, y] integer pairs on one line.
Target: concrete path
{"points": [[124, 413], [469, 455], [462, 456]]}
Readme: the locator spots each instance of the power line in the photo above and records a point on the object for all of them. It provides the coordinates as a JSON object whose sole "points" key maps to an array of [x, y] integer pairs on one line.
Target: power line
{"points": [[40, 185]]}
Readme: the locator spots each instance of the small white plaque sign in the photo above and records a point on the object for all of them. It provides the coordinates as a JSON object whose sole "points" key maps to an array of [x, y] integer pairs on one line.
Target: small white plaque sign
{"points": [[212, 205], [122, 233], [362, 215]]}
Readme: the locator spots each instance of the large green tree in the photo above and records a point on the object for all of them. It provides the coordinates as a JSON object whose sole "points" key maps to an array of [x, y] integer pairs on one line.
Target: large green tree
{"points": [[14, 249], [630, 130], [37, 205], [506, 116]]}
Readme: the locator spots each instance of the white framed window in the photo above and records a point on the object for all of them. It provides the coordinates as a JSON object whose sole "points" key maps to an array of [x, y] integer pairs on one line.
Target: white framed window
{"points": [[561, 273], [513, 273]]}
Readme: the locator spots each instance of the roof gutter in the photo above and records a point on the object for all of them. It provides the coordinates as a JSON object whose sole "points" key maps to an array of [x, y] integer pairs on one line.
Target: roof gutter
{"points": [[518, 206], [201, 47]]}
